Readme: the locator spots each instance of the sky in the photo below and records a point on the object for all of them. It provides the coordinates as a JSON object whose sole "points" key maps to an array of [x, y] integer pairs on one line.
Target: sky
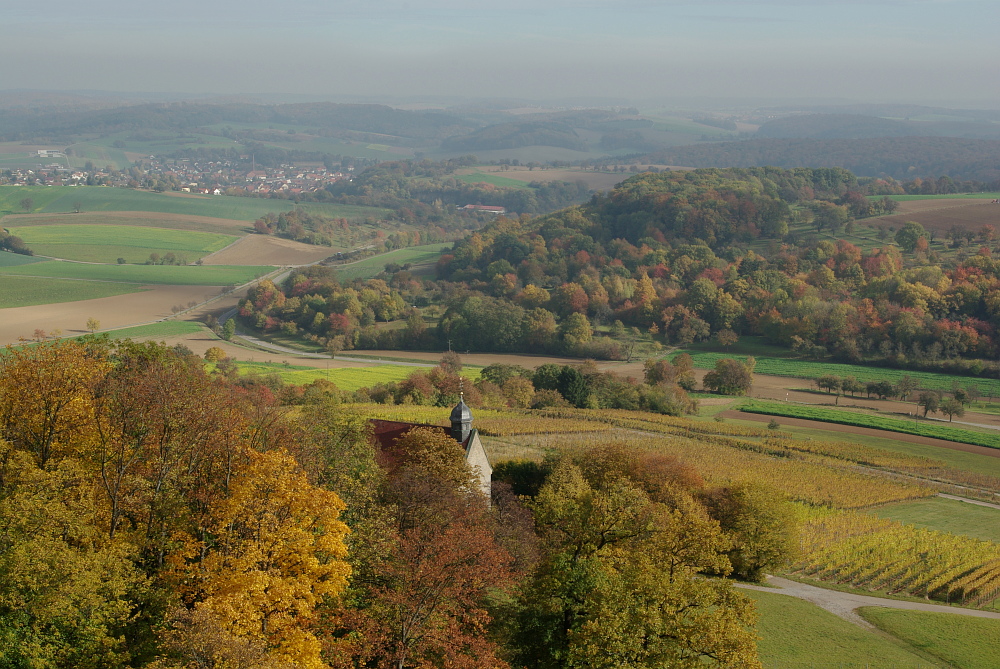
{"points": [[922, 51]]}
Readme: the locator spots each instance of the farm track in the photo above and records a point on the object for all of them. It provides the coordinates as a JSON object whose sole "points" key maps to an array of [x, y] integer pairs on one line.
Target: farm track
{"points": [[844, 604]]}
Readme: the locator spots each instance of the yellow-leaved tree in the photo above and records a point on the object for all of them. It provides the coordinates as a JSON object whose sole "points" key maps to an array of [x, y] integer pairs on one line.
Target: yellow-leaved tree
{"points": [[274, 551]]}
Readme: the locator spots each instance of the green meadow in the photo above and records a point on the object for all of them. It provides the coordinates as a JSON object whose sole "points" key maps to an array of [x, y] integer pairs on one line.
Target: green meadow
{"points": [[345, 378], [183, 275], [60, 199], [946, 515], [160, 330], [8, 259], [961, 641], [23, 291], [807, 369], [369, 267], [797, 635], [107, 243]]}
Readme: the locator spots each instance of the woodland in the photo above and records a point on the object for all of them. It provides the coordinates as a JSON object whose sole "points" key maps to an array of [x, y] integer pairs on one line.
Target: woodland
{"points": [[674, 258], [153, 514]]}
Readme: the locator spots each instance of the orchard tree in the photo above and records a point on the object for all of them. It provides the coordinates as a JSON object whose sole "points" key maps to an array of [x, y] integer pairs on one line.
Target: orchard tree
{"points": [[930, 401], [730, 377], [952, 407], [909, 235]]}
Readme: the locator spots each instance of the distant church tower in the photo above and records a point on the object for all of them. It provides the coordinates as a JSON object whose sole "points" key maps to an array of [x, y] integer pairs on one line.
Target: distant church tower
{"points": [[461, 421]]}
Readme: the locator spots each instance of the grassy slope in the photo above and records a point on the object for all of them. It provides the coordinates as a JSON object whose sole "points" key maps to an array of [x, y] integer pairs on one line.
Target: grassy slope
{"points": [[966, 643], [157, 331], [947, 515], [21, 291], [369, 267], [349, 378], [14, 260], [494, 179], [106, 243], [797, 634], [925, 429], [187, 275]]}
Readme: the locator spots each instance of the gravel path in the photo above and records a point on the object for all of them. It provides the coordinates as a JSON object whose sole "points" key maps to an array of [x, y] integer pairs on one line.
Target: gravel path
{"points": [[844, 604]]}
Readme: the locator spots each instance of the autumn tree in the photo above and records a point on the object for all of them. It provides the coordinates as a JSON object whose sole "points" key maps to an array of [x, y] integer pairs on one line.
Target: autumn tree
{"points": [[601, 541], [952, 407], [929, 400]]}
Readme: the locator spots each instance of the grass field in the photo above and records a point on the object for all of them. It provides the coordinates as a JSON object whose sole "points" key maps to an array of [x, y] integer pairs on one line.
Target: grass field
{"points": [[22, 291], [58, 199], [923, 429], [970, 462], [107, 243], [963, 642], [16, 260], [799, 635], [946, 515], [162, 330], [345, 378], [369, 267], [806, 369], [186, 275]]}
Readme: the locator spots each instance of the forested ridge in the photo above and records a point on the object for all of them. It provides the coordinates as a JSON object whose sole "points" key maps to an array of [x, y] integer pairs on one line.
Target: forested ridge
{"points": [[155, 515], [680, 257]]}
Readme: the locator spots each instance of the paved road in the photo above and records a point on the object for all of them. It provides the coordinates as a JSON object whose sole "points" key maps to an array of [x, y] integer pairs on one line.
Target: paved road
{"points": [[844, 604]]}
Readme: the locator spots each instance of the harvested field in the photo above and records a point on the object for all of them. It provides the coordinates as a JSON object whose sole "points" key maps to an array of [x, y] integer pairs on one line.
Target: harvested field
{"points": [[113, 312], [265, 250], [942, 215], [150, 219]]}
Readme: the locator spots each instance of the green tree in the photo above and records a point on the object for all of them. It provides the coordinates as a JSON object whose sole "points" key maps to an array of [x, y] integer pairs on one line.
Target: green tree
{"points": [[730, 377], [930, 401], [27, 204], [228, 329], [908, 236], [600, 542], [952, 407], [761, 524]]}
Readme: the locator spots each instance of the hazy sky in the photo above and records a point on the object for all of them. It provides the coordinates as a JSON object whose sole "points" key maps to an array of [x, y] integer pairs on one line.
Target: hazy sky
{"points": [[932, 51]]}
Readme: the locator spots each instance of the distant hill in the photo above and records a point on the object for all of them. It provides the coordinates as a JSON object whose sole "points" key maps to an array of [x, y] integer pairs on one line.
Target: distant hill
{"points": [[834, 126], [898, 157], [21, 124], [517, 135], [859, 126]]}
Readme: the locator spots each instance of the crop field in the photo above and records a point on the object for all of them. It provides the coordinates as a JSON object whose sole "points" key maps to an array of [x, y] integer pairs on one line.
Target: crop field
{"points": [[795, 633], [947, 196], [961, 641], [924, 429], [176, 275], [345, 378], [369, 267], [145, 219], [947, 515], [22, 291], [805, 369], [490, 422], [107, 243], [60, 199], [941, 215], [163, 330], [16, 260]]}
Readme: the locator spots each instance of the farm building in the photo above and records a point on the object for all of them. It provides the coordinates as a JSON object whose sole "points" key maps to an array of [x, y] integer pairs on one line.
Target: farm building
{"points": [[484, 208], [386, 432]]}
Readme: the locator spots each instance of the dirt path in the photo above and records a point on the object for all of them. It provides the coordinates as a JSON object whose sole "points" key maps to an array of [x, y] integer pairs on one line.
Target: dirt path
{"points": [[867, 431], [844, 604]]}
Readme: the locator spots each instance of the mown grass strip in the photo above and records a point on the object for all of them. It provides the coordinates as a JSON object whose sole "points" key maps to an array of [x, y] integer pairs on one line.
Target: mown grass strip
{"points": [[921, 429], [812, 370]]}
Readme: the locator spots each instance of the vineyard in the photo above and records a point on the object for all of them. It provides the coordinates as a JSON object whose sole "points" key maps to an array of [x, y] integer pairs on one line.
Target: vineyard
{"points": [[802, 480], [879, 555], [806, 369], [923, 429]]}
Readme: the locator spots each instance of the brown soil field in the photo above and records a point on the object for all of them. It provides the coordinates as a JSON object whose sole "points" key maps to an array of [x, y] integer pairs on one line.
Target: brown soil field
{"points": [[153, 303], [943, 214], [142, 218], [264, 250], [867, 431]]}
